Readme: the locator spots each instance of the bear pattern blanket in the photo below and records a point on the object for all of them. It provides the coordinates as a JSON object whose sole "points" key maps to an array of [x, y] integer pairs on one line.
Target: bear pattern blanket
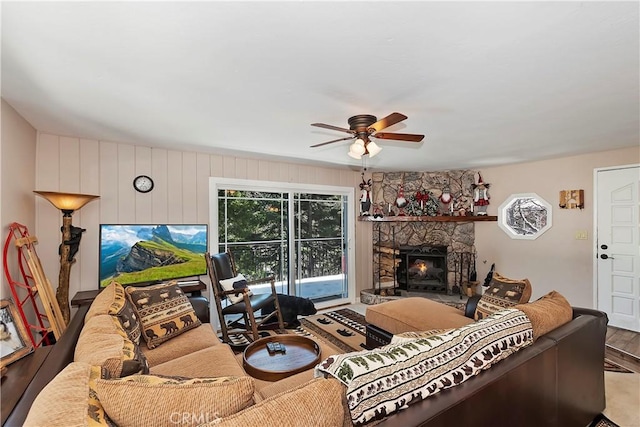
{"points": [[387, 379]]}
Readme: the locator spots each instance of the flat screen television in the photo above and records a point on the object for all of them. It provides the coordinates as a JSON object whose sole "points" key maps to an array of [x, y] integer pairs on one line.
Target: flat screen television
{"points": [[151, 253]]}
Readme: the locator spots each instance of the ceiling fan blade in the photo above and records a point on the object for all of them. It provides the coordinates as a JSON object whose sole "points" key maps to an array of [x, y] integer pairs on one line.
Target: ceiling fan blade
{"points": [[399, 136], [384, 123], [322, 125], [330, 142]]}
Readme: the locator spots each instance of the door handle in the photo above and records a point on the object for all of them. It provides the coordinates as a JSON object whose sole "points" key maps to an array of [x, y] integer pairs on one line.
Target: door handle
{"points": [[605, 256]]}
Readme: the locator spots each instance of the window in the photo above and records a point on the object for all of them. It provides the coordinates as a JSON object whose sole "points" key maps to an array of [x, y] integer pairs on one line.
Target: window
{"points": [[524, 216], [300, 234]]}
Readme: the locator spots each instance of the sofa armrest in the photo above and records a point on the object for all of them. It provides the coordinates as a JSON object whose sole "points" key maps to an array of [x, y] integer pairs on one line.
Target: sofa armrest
{"points": [[58, 358], [470, 308]]}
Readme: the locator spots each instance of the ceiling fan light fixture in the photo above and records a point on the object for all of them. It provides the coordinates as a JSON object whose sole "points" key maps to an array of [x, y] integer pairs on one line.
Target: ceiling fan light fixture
{"points": [[373, 149], [356, 156], [358, 147]]}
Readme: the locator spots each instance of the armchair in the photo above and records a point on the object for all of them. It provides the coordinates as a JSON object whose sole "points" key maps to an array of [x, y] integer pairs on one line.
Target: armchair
{"points": [[220, 267]]}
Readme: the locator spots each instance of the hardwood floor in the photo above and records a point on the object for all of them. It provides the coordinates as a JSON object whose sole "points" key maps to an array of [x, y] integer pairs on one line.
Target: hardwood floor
{"points": [[623, 348]]}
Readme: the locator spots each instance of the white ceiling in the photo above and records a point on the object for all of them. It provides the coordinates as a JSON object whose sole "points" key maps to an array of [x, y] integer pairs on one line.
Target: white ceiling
{"points": [[488, 83]]}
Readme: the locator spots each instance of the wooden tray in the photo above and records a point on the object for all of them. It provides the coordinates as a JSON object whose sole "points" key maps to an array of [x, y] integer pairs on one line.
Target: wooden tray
{"points": [[302, 354]]}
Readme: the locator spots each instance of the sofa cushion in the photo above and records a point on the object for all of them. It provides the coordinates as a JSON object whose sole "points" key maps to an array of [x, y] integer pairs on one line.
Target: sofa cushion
{"points": [[164, 312], [235, 283], [502, 293], [547, 313], [149, 400], [186, 343], [318, 403], [70, 399], [414, 314], [216, 361], [101, 303], [103, 342]]}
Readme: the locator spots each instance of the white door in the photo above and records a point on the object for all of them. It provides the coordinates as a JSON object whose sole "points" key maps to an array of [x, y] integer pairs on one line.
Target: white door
{"points": [[618, 246]]}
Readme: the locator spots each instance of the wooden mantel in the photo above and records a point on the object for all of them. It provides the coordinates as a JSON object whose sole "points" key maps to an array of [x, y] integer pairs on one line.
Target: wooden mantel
{"points": [[404, 218]]}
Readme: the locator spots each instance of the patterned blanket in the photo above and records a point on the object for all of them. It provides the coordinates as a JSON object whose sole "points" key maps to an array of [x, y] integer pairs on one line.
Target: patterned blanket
{"points": [[388, 379]]}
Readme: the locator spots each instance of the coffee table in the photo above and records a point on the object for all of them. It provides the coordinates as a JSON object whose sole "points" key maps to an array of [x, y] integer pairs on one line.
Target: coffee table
{"points": [[301, 354]]}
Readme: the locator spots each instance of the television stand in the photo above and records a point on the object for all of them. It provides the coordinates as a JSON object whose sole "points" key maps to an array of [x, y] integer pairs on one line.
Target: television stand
{"points": [[192, 287]]}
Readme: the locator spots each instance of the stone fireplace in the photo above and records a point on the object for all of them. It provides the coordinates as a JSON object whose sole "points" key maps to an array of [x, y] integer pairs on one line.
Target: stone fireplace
{"points": [[423, 255]]}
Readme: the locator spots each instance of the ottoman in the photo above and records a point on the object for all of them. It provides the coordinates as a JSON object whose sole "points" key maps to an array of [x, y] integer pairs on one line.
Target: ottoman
{"points": [[407, 315]]}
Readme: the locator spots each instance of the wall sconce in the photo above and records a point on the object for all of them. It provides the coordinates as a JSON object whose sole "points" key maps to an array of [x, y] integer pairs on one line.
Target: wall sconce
{"points": [[67, 203]]}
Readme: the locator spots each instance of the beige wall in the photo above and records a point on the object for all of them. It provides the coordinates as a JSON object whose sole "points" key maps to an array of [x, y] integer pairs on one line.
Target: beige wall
{"points": [[17, 181], [180, 195], [555, 260]]}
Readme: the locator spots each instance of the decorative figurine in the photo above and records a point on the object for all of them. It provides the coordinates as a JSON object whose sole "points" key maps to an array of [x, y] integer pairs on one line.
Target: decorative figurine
{"points": [[377, 211], [365, 197], [481, 197], [401, 202], [446, 199]]}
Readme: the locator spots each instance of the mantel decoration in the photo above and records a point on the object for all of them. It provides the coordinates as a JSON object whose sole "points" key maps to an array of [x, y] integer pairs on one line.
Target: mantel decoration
{"points": [[423, 203], [365, 196], [424, 194], [67, 203], [401, 201], [480, 196]]}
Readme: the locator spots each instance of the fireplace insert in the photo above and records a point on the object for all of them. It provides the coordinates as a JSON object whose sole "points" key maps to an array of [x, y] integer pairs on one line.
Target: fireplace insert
{"points": [[423, 268]]}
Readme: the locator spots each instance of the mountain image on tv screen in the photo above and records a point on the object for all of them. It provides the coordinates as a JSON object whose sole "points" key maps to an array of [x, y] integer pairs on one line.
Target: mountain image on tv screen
{"points": [[132, 254]]}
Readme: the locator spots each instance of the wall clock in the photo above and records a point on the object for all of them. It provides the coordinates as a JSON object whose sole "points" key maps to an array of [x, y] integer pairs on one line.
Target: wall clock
{"points": [[143, 183]]}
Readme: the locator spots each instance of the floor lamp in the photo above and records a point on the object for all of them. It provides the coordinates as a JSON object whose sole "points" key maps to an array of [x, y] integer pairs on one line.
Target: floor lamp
{"points": [[67, 203]]}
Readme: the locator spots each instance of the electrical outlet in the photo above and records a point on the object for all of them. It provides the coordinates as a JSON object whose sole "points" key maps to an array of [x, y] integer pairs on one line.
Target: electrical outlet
{"points": [[582, 235]]}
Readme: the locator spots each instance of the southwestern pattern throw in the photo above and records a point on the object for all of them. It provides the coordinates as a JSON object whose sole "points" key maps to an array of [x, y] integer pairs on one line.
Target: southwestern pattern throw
{"points": [[387, 379]]}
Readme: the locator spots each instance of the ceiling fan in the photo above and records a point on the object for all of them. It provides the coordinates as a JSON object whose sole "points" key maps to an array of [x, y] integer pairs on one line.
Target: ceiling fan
{"points": [[363, 127]]}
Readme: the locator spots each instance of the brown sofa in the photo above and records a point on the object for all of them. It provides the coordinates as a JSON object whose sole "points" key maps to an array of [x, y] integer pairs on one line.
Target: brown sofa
{"points": [[557, 381]]}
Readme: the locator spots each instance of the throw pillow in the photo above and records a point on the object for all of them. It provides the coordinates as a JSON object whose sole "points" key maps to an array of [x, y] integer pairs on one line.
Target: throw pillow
{"points": [[319, 403], [151, 400], [235, 283], [103, 342], [164, 312], [547, 313], [122, 309], [502, 293]]}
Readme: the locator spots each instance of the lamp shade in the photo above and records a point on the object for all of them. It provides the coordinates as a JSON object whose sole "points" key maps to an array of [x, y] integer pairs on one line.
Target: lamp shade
{"points": [[355, 155], [373, 149], [67, 201]]}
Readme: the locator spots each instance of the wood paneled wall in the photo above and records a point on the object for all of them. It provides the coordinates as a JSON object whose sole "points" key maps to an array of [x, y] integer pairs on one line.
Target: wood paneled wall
{"points": [[180, 195]]}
